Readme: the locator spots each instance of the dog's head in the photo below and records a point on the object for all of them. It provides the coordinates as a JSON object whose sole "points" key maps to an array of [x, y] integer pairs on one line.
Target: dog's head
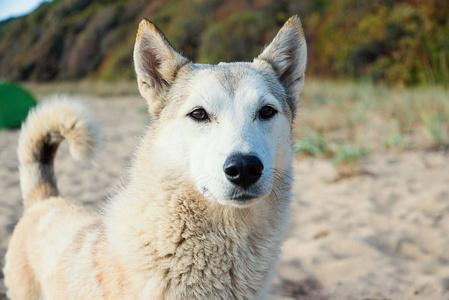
{"points": [[227, 125]]}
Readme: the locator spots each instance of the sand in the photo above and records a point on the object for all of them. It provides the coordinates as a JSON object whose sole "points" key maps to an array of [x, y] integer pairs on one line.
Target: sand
{"points": [[381, 235]]}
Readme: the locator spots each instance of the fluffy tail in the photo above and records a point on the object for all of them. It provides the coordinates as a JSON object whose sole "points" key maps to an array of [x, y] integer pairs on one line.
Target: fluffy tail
{"points": [[46, 126]]}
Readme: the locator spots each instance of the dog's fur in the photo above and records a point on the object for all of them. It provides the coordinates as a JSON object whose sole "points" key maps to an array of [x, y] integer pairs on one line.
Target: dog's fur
{"points": [[178, 229]]}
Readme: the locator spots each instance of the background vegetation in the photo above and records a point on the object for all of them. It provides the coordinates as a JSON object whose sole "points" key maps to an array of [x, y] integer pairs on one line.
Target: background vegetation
{"points": [[403, 42]]}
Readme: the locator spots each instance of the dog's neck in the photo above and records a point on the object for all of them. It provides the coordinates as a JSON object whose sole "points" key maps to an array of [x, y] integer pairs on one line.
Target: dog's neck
{"points": [[189, 247]]}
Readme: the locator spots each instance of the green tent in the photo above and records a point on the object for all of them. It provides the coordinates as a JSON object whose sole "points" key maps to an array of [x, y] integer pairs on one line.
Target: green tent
{"points": [[15, 103]]}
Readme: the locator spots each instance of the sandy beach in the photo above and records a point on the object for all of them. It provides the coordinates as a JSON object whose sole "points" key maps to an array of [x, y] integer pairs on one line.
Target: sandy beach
{"points": [[380, 235]]}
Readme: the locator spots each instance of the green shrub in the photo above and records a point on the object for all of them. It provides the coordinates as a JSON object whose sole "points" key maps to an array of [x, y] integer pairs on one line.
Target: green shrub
{"points": [[347, 154], [314, 145], [239, 38], [403, 42], [437, 128]]}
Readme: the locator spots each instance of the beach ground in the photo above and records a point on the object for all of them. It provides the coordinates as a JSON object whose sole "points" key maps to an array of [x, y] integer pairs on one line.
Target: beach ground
{"points": [[380, 235]]}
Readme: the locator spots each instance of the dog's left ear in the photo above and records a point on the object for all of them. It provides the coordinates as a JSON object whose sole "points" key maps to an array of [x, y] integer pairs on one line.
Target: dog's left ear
{"points": [[287, 55], [156, 63]]}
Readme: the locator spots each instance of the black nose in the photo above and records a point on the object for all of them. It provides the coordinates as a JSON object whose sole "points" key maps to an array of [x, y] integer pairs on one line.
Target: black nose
{"points": [[243, 170]]}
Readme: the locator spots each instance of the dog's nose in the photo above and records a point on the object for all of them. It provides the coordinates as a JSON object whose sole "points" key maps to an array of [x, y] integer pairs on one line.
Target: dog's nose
{"points": [[243, 170]]}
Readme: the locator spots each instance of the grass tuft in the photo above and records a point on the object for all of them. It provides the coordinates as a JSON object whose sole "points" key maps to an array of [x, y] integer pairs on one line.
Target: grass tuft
{"points": [[346, 154], [314, 145], [437, 128]]}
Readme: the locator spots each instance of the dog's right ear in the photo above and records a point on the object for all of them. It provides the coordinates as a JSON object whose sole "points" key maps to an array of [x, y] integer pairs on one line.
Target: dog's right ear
{"points": [[155, 61]]}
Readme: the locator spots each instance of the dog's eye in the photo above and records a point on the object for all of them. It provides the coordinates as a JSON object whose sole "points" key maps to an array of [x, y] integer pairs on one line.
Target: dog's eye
{"points": [[199, 114], [266, 112]]}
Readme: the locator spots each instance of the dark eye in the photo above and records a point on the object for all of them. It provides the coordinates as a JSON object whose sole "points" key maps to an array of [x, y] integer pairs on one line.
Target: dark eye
{"points": [[266, 112], [199, 114]]}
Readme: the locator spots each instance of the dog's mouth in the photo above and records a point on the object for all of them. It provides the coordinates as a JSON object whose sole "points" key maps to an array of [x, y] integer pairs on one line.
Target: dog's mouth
{"points": [[244, 197], [243, 200], [238, 199]]}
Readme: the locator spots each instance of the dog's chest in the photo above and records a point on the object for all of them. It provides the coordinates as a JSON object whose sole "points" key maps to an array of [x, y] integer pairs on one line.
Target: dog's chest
{"points": [[213, 266]]}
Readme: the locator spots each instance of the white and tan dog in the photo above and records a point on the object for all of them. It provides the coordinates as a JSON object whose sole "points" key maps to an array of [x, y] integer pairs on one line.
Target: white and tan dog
{"points": [[205, 208]]}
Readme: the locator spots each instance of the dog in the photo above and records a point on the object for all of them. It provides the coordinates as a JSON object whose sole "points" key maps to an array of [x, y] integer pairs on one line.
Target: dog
{"points": [[206, 205]]}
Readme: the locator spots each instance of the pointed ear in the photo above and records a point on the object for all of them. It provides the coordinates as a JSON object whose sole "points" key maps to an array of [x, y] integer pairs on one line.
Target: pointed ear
{"points": [[155, 61], [287, 55]]}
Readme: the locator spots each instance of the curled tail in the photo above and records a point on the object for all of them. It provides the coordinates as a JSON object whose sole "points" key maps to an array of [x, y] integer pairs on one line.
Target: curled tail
{"points": [[44, 129]]}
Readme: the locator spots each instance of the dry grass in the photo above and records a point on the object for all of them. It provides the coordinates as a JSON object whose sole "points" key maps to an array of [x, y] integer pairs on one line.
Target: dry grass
{"points": [[344, 121], [85, 88], [374, 117]]}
